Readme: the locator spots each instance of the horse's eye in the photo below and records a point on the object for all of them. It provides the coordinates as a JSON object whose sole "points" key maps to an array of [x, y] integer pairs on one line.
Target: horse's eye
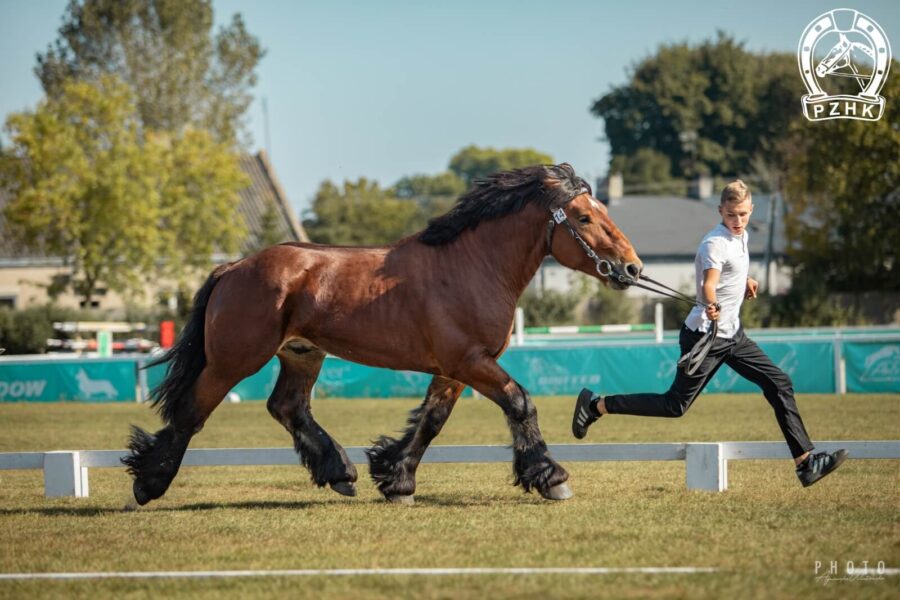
{"points": [[584, 219]]}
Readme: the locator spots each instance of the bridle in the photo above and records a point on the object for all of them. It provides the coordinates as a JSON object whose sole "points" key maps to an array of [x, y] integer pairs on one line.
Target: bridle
{"points": [[604, 267]]}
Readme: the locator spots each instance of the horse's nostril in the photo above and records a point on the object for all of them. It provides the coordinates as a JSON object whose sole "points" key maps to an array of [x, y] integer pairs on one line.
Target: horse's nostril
{"points": [[633, 270]]}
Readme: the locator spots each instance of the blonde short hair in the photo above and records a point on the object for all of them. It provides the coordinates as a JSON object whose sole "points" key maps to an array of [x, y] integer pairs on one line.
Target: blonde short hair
{"points": [[736, 191]]}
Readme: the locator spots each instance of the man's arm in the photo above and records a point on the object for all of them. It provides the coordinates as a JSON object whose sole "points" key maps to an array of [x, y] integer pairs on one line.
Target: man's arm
{"points": [[710, 281]]}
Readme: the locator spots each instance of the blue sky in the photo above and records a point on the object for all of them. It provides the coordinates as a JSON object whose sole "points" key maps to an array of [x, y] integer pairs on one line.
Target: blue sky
{"points": [[393, 88]]}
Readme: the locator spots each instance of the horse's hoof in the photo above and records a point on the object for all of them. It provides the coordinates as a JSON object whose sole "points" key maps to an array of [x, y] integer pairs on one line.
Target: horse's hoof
{"points": [[407, 499], [558, 492], [344, 488], [140, 496]]}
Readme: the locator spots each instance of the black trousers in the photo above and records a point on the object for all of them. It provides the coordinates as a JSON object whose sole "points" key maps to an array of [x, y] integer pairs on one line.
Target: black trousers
{"points": [[748, 360]]}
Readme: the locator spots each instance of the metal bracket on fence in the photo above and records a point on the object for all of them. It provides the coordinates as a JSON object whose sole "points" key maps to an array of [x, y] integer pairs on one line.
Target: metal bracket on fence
{"points": [[64, 475], [707, 468]]}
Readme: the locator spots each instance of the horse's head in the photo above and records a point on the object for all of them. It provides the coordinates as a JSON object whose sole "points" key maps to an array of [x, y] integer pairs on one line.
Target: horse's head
{"points": [[588, 240], [836, 57]]}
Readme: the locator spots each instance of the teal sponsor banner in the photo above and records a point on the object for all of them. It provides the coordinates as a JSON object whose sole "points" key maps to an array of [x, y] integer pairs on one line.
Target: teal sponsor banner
{"points": [[872, 366], [338, 379], [651, 368], [559, 371], [550, 370], [810, 365], [88, 380], [343, 379], [154, 375]]}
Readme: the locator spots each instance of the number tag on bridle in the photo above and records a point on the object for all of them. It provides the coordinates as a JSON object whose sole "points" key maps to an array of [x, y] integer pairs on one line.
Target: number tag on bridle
{"points": [[559, 215]]}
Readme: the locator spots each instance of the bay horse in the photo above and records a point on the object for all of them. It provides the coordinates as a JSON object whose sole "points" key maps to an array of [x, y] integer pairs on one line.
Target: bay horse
{"points": [[440, 301]]}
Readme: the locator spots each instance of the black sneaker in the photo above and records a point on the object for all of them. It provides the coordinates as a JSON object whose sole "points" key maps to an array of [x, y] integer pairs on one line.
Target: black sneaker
{"points": [[585, 414], [817, 466]]}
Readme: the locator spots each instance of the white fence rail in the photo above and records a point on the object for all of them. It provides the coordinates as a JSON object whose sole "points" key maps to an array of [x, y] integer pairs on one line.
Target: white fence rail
{"points": [[66, 472]]}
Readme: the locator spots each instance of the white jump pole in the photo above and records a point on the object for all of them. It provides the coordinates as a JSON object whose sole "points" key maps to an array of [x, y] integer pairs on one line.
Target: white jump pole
{"points": [[658, 322], [520, 327]]}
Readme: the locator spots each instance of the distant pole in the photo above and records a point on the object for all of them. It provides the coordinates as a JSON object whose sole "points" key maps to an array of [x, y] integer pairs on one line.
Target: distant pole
{"points": [[658, 322], [770, 240], [520, 326], [265, 110]]}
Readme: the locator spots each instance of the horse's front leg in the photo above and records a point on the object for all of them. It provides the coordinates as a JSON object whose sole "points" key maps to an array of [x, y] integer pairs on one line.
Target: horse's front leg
{"points": [[393, 462], [532, 464]]}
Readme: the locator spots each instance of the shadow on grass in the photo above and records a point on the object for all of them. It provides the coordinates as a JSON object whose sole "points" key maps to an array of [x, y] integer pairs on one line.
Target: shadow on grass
{"points": [[421, 501], [469, 501], [95, 511]]}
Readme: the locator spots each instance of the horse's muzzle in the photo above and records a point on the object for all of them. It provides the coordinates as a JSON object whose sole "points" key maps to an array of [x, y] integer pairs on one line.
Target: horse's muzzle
{"points": [[625, 274]]}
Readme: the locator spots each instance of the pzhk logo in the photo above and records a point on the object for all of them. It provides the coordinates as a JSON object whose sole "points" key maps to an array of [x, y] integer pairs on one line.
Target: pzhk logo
{"points": [[840, 51]]}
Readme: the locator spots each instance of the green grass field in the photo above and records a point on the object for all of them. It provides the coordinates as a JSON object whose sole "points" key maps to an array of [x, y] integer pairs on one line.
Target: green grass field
{"points": [[763, 535]]}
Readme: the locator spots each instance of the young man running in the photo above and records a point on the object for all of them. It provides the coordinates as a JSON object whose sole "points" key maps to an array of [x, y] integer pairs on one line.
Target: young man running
{"points": [[722, 269]]}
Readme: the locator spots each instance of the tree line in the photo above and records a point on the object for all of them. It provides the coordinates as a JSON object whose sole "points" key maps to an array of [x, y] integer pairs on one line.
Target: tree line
{"points": [[363, 213]]}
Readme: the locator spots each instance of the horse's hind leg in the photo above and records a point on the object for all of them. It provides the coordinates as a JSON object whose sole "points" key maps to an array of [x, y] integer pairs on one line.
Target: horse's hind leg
{"points": [[155, 459], [393, 462], [289, 405]]}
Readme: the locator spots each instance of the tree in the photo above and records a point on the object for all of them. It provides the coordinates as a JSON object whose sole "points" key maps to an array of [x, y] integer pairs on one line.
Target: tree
{"points": [[164, 50], [842, 191], [548, 307], [435, 194], [360, 213], [117, 203], [606, 305], [199, 180], [270, 232], [709, 108], [472, 162], [648, 171]]}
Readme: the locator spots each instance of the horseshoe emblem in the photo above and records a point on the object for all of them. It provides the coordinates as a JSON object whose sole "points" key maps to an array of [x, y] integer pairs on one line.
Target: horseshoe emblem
{"points": [[855, 47]]}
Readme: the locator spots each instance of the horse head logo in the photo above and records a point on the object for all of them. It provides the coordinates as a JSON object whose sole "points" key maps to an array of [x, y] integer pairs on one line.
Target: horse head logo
{"points": [[843, 44]]}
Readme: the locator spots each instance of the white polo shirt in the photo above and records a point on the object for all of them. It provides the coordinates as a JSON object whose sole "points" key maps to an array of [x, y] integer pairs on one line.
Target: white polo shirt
{"points": [[727, 253]]}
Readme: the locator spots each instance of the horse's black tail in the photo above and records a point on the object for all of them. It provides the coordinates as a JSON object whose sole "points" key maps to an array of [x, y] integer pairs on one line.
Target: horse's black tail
{"points": [[186, 358]]}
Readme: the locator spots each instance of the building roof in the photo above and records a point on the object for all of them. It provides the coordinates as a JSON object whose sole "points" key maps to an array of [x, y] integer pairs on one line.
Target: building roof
{"points": [[264, 189], [668, 227], [264, 192]]}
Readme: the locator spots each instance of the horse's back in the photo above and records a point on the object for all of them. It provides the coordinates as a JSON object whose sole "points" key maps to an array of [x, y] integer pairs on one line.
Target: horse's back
{"points": [[304, 288]]}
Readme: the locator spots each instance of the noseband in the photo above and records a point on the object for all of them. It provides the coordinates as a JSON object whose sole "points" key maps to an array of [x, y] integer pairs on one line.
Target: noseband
{"points": [[603, 266]]}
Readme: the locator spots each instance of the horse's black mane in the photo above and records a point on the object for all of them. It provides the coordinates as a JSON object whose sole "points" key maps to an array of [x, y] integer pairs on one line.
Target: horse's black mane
{"points": [[501, 194]]}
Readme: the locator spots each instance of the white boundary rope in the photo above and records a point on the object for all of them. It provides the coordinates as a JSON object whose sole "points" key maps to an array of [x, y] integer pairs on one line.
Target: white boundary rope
{"points": [[363, 572]]}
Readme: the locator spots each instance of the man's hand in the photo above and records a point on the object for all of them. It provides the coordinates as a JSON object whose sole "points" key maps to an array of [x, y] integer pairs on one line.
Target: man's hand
{"points": [[752, 287], [712, 311]]}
